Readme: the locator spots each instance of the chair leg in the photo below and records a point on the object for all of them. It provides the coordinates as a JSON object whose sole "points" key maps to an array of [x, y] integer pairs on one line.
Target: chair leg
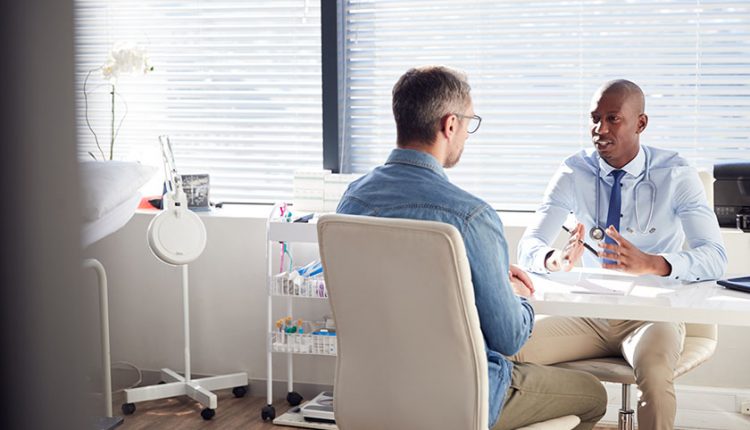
{"points": [[626, 414]]}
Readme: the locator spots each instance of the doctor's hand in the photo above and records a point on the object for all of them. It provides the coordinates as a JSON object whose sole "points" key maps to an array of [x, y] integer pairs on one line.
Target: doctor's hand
{"points": [[520, 282], [566, 258], [628, 258]]}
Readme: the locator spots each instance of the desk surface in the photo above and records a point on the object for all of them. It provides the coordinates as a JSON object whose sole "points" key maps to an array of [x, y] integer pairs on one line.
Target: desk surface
{"points": [[598, 293]]}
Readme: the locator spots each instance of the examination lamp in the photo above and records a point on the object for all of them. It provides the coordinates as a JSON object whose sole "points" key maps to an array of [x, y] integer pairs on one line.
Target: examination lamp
{"points": [[177, 235]]}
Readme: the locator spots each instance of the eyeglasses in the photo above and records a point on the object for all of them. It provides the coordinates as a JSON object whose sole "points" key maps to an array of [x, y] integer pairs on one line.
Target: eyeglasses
{"points": [[474, 122]]}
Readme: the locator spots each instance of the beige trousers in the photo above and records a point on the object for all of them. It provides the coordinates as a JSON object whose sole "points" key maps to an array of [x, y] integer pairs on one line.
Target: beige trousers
{"points": [[539, 393], [651, 348]]}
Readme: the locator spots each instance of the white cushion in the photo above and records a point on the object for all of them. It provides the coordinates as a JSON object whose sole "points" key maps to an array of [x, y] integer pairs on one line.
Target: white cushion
{"points": [[563, 423], [107, 184]]}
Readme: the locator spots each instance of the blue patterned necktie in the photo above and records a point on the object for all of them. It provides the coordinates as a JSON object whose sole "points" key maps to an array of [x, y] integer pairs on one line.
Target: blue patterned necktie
{"points": [[615, 206]]}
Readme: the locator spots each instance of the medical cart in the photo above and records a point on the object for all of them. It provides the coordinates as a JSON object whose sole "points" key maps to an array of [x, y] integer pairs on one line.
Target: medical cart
{"points": [[282, 229]]}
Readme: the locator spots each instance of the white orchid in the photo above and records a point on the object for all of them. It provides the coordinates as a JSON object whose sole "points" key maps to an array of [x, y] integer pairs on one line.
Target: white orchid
{"points": [[125, 58]]}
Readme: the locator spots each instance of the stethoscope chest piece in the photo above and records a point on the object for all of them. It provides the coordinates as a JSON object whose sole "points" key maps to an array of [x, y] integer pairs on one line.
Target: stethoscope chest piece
{"points": [[596, 233]]}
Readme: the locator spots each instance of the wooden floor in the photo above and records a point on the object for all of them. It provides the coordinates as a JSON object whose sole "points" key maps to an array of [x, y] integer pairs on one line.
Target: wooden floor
{"points": [[184, 414]]}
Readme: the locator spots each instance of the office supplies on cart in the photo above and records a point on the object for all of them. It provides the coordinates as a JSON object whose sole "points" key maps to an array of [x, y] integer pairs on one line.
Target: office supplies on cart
{"points": [[303, 337], [319, 408], [305, 218], [311, 269], [293, 418], [292, 284]]}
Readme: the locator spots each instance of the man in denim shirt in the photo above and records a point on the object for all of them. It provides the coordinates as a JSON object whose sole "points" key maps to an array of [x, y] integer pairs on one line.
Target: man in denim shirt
{"points": [[434, 117]]}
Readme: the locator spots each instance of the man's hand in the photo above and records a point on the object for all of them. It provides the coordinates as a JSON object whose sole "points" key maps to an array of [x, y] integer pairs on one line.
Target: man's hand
{"points": [[566, 258], [629, 259], [521, 282]]}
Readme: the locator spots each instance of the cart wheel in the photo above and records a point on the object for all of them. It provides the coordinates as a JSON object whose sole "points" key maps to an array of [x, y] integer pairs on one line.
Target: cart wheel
{"points": [[268, 413], [239, 391], [208, 413], [128, 408], [293, 398]]}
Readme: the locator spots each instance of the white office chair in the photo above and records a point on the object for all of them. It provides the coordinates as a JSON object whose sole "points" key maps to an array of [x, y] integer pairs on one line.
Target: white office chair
{"points": [[700, 344], [410, 350]]}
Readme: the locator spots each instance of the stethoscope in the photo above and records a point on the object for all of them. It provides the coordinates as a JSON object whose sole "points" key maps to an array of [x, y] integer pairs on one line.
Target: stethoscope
{"points": [[597, 232]]}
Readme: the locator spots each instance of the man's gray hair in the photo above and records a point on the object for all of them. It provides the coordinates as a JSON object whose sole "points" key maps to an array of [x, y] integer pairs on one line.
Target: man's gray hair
{"points": [[422, 97]]}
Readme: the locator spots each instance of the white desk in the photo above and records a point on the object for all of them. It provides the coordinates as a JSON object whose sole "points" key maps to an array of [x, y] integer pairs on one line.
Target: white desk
{"points": [[598, 293]]}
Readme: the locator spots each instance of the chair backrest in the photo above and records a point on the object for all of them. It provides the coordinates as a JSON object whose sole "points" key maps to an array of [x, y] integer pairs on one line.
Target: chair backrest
{"points": [[700, 339], [410, 350], [708, 331], [700, 344]]}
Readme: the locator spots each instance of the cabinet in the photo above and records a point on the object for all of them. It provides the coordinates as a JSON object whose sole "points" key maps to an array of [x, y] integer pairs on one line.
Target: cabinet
{"points": [[278, 229]]}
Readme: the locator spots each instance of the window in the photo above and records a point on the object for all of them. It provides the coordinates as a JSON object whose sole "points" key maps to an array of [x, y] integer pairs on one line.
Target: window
{"points": [[533, 67], [236, 85]]}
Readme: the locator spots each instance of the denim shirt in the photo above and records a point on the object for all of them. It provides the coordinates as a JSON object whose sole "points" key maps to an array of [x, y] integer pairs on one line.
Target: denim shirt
{"points": [[412, 184]]}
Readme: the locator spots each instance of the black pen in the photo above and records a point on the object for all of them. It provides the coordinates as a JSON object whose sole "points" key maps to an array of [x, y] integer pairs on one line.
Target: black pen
{"points": [[593, 251]]}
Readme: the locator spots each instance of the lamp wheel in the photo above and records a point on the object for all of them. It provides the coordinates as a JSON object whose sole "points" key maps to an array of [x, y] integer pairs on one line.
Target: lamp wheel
{"points": [[293, 398], [268, 413], [208, 413], [128, 408], [239, 391]]}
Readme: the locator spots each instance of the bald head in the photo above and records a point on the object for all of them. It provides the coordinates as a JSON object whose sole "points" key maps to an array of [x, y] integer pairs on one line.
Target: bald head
{"points": [[629, 89]]}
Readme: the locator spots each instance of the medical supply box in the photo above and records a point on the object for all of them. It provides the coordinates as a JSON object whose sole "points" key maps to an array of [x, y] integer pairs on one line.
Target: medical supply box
{"points": [[732, 194]]}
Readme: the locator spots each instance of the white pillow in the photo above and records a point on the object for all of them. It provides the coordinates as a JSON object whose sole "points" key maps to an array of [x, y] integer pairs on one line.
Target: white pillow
{"points": [[107, 184]]}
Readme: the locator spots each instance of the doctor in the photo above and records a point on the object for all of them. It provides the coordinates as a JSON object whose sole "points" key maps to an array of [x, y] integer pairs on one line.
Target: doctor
{"points": [[638, 204]]}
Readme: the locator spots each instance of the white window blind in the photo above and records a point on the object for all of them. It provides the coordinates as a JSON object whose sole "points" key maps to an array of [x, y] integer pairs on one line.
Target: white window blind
{"points": [[533, 66], [236, 85]]}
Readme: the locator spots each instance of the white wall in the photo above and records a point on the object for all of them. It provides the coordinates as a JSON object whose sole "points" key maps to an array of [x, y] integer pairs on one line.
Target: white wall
{"points": [[228, 304]]}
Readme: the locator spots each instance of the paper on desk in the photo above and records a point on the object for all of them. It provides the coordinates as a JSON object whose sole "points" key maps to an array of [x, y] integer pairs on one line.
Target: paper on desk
{"points": [[603, 283], [603, 286]]}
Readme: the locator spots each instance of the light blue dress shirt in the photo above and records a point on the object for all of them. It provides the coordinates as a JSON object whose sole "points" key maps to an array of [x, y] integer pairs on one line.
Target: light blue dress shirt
{"points": [[412, 184], [681, 214]]}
